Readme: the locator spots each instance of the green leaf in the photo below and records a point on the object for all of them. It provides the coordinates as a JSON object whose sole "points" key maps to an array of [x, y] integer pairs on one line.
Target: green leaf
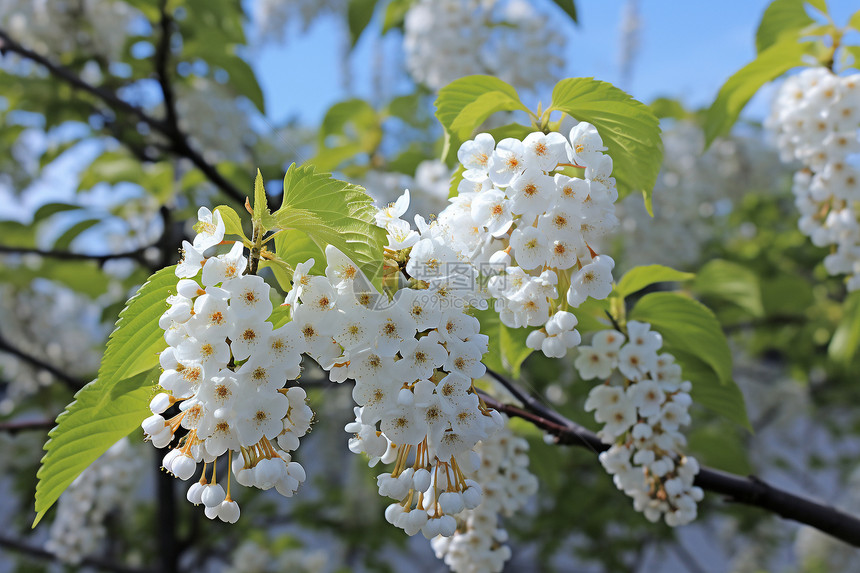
{"points": [[137, 340], [664, 107], [350, 128], [721, 447], [101, 414], [508, 348], [456, 179], [846, 340], [569, 8], [296, 247], [724, 398], [232, 223], [333, 212], [638, 278], [732, 283], [466, 103], [688, 326], [116, 402], [629, 129], [111, 167], [358, 15], [15, 234], [63, 241], [395, 13], [49, 209], [854, 21], [738, 89], [783, 19], [591, 315], [261, 203]]}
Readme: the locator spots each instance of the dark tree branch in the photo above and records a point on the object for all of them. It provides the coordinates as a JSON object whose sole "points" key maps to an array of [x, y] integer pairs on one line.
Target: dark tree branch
{"points": [[39, 553], [137, 254], [15, 427], [162, 61], [737, 489], [178, 141], [73, 383]]}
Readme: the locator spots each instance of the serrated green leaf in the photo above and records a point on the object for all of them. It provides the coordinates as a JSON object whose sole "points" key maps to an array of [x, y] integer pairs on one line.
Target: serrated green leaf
{"points": [[232, 223], [261, 203], [591, 315], [723, 398], [781, 19], [100, 415], [687, 326], [296, 247], [332, 212], [732, 283], [638, 278], [358, 15], [629, 129], [738, 89], [137, 340], [846, 340], [569, 8], [466, 103], [115, 403], [63, 241]]}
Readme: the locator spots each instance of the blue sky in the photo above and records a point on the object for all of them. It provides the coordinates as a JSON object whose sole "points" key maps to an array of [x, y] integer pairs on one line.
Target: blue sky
{"points": [[687, 50]]}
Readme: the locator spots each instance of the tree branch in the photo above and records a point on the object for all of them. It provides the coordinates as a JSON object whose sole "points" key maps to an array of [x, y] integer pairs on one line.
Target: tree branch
{"points": [[178, 140], [38, 552], [70, 381], [15, 427], [137, 254], [737, 489]]}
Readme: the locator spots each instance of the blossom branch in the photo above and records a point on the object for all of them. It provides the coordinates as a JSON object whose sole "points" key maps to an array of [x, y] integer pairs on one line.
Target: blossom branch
{"points": [[15, 427], [179, 143], [749, 490], [137, 254]]}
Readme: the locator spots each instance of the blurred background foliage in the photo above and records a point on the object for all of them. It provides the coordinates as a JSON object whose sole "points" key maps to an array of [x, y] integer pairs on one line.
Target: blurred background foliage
{"points": [[117, 119]]}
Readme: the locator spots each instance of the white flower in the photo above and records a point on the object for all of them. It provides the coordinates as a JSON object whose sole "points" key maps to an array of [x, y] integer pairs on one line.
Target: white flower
{"points": [[249, 298], [394, 211], [492, 210], [191, 263], [530, 247], [586, 144], [474, 155], [507, 161], [592, 280], [210, 229], [545, 150], [225, 267]]}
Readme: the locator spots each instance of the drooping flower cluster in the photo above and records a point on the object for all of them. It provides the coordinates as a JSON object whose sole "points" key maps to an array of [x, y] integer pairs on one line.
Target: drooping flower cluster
{"points": [[815, 117], [79, 526], [643, 410], [224, 371], [448, 39], [413, 358], [479, 543], [530, 228]]}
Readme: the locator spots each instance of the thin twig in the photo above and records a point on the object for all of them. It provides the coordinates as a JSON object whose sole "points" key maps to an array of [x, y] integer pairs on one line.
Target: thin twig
{"points": [[137, 254], [15, 427], [737, 489], [26, 549]]}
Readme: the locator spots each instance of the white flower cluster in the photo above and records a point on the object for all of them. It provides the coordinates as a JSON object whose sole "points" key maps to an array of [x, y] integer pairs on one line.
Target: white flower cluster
{"points": [[413, 358], [642, 412], [479, 544], [448, 39], [97, 27], [253, 557], [530, 228], [49, 321], [224, 368], [79, 526], [815, 116]]}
